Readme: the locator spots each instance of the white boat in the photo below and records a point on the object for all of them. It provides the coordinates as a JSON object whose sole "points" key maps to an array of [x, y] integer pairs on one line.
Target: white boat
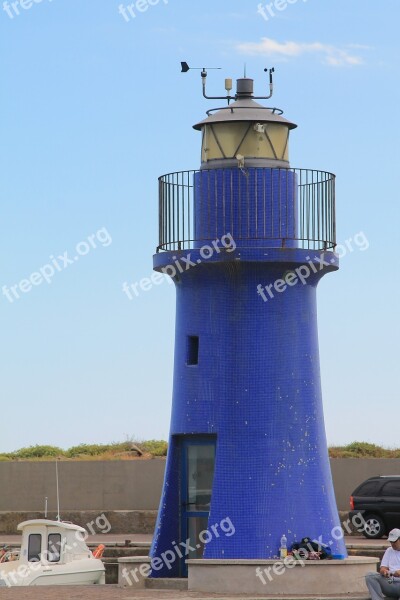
{"points": [[52, 553]]}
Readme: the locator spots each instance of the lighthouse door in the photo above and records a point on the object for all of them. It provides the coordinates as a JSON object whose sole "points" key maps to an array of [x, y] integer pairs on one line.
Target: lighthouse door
{"points": [[197, 464]]}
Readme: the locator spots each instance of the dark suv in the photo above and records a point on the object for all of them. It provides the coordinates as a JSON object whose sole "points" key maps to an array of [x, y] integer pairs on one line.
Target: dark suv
{"points": [[378, 501]]}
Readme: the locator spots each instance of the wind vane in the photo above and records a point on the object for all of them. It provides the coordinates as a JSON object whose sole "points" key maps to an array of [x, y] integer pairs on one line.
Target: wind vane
{"points": [[186, 68]]}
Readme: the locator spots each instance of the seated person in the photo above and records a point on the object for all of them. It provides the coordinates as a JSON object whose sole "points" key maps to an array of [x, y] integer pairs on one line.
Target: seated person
{"points": [[386, 583], [3, 552]]}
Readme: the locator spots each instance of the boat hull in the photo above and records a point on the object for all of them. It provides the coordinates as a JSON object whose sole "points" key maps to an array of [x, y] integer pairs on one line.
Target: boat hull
{"points": [[18, 574]]}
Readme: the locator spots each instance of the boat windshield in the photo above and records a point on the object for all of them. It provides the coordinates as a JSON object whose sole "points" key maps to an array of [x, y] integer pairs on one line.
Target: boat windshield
{"points": [[34, 547], [54, 547]]}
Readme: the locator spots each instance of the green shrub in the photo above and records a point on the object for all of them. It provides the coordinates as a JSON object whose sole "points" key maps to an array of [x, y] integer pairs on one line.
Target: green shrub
{"points": [[96, 449], [37, 452], [154, 447], [363, 450], [88, 451], [160, 447]]}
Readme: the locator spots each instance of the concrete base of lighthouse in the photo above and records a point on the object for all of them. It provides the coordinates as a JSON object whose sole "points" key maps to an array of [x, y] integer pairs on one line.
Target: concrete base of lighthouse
{"points": [[326, 579], [315, 578]]}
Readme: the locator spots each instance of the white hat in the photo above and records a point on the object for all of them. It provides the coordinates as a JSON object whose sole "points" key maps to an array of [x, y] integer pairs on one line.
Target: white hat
{"points": [[394, 535]]}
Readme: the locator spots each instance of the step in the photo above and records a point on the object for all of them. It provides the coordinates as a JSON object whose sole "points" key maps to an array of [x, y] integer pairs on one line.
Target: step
{"points": [[166, 584]]}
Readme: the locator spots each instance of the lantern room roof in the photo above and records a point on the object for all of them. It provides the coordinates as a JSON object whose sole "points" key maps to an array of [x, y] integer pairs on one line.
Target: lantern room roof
{"points": [[245, 109]]}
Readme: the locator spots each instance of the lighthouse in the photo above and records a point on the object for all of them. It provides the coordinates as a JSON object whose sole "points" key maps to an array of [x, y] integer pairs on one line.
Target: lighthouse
{"points": [[246, 239]]}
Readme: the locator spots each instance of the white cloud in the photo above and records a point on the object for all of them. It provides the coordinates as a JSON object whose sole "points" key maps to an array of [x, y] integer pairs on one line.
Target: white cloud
{"points": [[359, 46], [330, 55]]}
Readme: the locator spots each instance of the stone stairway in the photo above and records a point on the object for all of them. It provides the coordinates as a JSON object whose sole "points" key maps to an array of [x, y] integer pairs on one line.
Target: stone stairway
{"points": [[166, 584]]}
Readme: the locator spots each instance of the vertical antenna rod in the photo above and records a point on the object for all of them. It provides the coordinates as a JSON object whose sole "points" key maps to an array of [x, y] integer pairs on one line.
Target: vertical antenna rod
{"points": [[45, 507], [58, 495]]}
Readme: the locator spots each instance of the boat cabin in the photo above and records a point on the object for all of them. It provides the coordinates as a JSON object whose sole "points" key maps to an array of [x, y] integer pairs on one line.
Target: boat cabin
{"points": [[52, 542], [53, 553]]}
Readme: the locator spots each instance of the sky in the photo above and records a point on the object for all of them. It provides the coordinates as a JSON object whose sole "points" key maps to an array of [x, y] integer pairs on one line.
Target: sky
{"points": [[94, 109]]}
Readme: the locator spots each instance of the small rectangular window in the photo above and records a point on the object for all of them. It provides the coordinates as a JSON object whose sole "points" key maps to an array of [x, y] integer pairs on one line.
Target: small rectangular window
{"points": [[34, 547], [54, 547], [193, 350]]}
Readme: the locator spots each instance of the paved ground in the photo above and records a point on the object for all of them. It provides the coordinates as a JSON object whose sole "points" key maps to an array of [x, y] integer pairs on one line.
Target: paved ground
{"points": [[360, 540], [111, 592]]}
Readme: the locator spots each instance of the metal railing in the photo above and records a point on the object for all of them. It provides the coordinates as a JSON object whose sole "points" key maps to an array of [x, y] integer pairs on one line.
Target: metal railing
{"points": [[263, 207]]}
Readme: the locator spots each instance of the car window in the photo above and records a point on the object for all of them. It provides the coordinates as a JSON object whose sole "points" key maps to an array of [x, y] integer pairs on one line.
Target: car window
{"points": [[369, 488], [391, 488]]}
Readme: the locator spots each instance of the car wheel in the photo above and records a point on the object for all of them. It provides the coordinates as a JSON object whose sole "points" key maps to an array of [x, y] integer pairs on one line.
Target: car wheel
{"points": [[374, 527]]}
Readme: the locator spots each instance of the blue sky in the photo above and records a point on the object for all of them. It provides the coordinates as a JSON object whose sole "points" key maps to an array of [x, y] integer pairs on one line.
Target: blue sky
{"points": [[94, 109]]}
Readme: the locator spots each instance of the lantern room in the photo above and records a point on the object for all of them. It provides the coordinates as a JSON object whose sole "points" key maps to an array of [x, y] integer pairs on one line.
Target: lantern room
{"points": [[246, 133]]}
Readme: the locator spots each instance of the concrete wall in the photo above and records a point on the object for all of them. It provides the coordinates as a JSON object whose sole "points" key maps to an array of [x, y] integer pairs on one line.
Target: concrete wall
{"points": [[348, 473], [133, 485], [90, 485]]}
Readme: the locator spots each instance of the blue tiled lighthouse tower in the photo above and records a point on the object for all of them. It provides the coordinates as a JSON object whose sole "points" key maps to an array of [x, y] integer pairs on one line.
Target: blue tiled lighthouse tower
{"points": [[246, 240]]}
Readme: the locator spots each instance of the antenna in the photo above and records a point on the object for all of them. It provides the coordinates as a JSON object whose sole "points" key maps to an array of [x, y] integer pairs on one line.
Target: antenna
{"points": [[58, 495], [271, 85], [228, 84], [45, 507]]}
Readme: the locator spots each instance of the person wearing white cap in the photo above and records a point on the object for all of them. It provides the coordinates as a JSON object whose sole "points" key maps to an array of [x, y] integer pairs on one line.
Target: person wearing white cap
{"points": [[386, 583]]}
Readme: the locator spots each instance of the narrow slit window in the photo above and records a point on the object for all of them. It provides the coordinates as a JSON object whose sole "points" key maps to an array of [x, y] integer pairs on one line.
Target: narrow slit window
{"points": [[193, 350]]}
